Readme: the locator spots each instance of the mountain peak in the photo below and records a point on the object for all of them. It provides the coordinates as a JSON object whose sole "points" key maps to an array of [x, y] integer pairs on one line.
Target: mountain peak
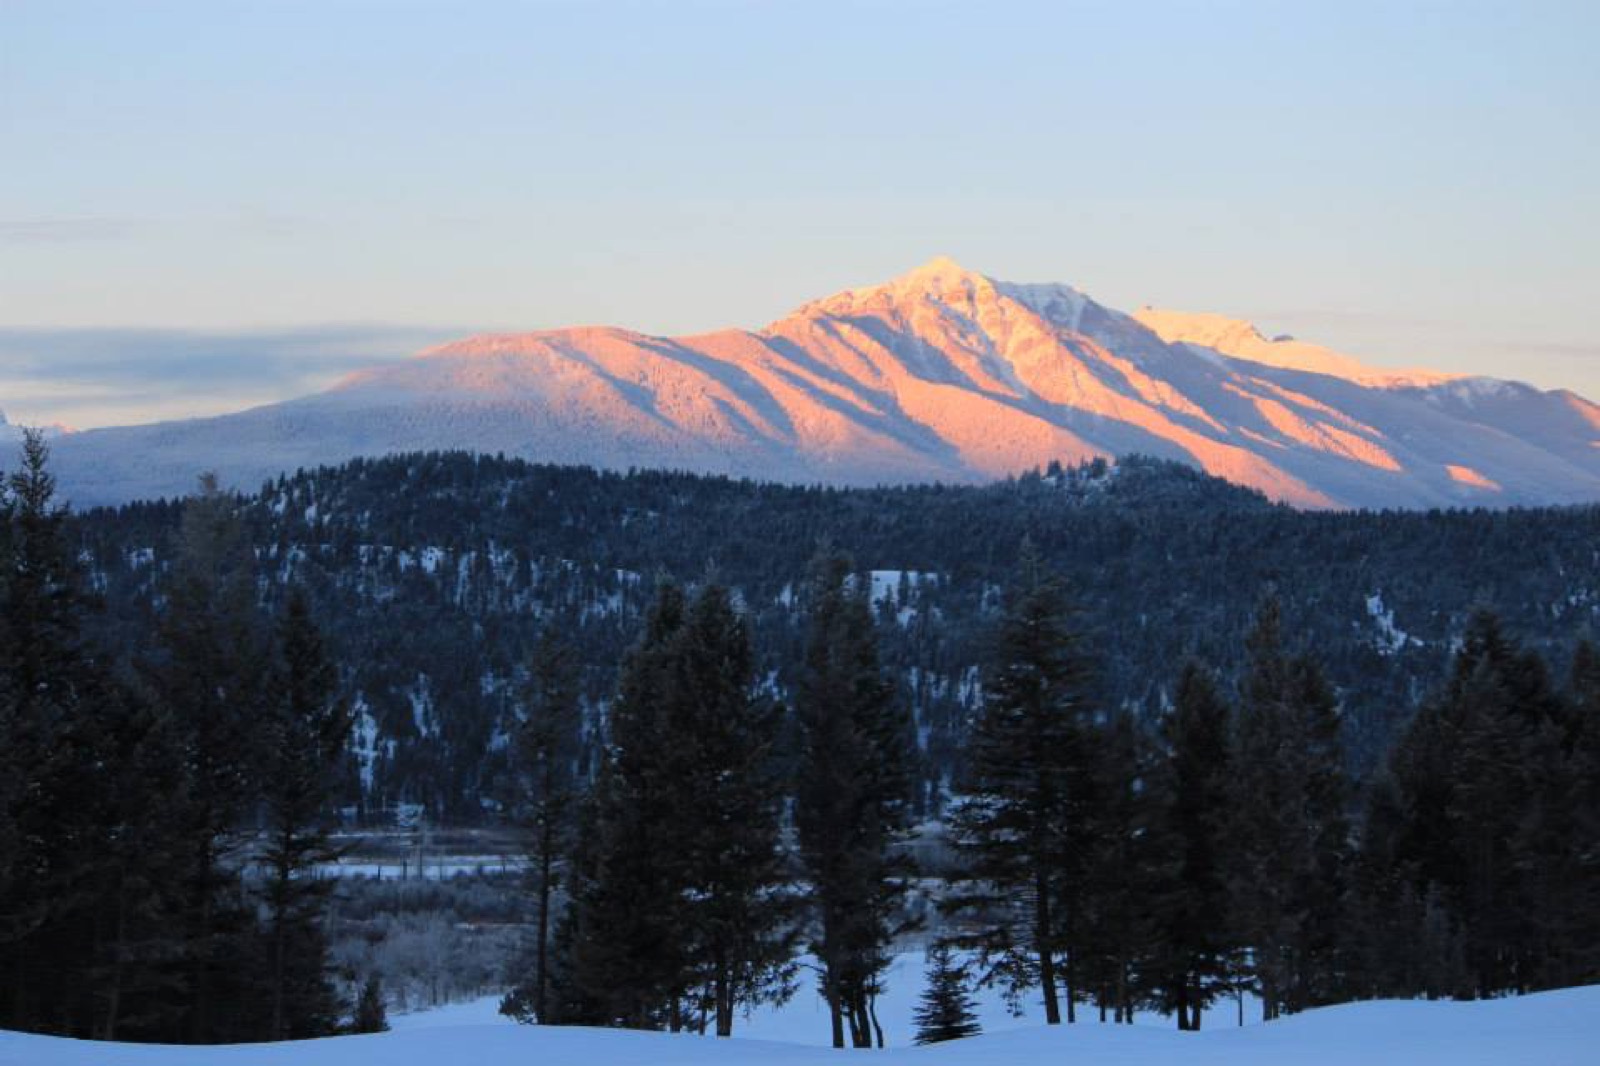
{"points": [[941, 270]]}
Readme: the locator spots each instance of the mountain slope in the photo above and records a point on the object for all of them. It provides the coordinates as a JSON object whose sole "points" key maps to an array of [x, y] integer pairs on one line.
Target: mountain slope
{"points": [[941, 374]]}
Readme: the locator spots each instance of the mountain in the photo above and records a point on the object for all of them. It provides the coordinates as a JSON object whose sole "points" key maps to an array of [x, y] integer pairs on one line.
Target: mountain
{"points": [[941, 374]]}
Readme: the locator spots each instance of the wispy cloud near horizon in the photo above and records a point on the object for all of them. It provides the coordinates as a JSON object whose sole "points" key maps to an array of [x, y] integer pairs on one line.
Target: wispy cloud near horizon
{"points": [[65, 230], [85, 378]]}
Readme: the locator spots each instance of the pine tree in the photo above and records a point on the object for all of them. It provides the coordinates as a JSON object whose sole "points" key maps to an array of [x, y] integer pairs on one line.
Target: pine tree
{"points": [[1291, 835], [304, 734], [1022, 830], [947, 1010], [545, 793], [1492, 787], [678, 910], [738, 916], [371, 1016], [1322, 892], [852, 799], [622, 955], [1118, 929], [85, 784], [61, 720], [1195, 794], [39, 710], [211, 674], [1577, 865]]}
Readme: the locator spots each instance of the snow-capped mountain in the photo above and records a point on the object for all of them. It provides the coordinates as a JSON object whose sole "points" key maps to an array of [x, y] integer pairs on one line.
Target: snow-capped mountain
{"points": [[941, 374]]}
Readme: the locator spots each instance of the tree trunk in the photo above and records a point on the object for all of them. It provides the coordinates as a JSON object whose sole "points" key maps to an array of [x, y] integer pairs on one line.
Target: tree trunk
{"points": [[724, 996], [860, 1028], [1072, 987], [830, 984], [108, 1029], [1045, 948], [541, 956]]}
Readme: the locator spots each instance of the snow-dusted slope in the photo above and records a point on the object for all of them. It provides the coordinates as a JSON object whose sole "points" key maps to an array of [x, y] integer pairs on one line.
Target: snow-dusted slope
{"points": [[1241, 339], [1550, 1029], [942, 373]]}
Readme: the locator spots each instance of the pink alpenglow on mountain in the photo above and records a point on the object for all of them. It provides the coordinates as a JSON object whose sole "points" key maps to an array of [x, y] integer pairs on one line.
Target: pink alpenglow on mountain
{"points": [[942, 374]]}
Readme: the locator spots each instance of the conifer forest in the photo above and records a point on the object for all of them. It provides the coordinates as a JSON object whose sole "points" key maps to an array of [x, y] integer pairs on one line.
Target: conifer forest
{"points": [[1109, 737]]}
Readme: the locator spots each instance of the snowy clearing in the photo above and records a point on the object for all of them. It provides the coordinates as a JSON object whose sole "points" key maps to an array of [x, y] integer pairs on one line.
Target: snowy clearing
{"points": [[1552, 1028]]}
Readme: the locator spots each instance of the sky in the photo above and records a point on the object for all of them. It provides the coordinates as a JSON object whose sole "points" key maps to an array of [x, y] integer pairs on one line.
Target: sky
{"points": [[209, 204]]}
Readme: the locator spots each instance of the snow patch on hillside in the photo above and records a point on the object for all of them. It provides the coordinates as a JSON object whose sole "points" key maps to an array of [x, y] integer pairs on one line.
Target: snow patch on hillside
{"points": [[1391, 638]]}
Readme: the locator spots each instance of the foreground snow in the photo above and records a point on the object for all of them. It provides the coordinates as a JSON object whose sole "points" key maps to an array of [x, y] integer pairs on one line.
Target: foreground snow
{"points": [[1552, 1028]]}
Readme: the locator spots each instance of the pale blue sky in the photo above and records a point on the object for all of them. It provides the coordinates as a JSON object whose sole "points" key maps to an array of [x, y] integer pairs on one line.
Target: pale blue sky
{"points": [[1414, 183]]}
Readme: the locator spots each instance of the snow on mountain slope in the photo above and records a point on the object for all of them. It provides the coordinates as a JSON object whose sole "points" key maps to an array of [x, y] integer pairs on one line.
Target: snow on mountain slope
{"points": [[1242, 340], [1549, 1029], [940, 374]]}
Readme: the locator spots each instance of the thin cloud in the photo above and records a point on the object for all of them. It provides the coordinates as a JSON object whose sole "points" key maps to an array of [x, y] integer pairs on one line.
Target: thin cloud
{"points": [[64, 230], [89, 377]]}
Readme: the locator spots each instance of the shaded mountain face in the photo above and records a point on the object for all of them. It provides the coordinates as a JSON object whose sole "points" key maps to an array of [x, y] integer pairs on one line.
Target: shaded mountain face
{"points": [[942, 374]]}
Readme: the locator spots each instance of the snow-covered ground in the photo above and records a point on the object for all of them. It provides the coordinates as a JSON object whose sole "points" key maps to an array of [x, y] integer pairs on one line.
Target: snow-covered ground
{"points": [[804, 1018], [1551, 1029]]}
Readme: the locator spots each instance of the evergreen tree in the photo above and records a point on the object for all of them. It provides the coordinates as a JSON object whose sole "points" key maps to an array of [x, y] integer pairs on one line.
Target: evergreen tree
{"points": [[852, 799], [1322, 892], [371, 1016], [738, 916], [84, 787], [1117, 932], [947, 1010], [211, 675], [545, 792], [1491, 790], [1291, 834], [303, 737], [622, 955], [1192, 967], [1576, 873], [678, 910], [1022, 829]]}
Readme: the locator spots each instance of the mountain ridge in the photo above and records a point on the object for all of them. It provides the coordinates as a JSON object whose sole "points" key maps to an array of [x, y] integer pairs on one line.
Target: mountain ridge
{"points": [[940, 374]]}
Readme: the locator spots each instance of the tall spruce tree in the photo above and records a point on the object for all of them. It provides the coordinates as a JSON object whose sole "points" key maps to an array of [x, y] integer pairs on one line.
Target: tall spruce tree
{"points": [[304, 732], [1022, 830], [211, 674], [1290, 831], [852, 799], [86, 784], [1578, 865], [1488, 781], [1118, 931], [1195, 942], [739, 917], [622, 953], [544, 794], [44, 726], [678, 913]]}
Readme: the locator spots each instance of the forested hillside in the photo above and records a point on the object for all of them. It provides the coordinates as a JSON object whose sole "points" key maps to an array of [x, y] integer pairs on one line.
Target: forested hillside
{"points": [[433, 576]]}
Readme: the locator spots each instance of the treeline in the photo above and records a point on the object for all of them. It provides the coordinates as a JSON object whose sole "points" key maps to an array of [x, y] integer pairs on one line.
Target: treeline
{"points": [[434, 576], [1099, 861], [162, 807]]}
